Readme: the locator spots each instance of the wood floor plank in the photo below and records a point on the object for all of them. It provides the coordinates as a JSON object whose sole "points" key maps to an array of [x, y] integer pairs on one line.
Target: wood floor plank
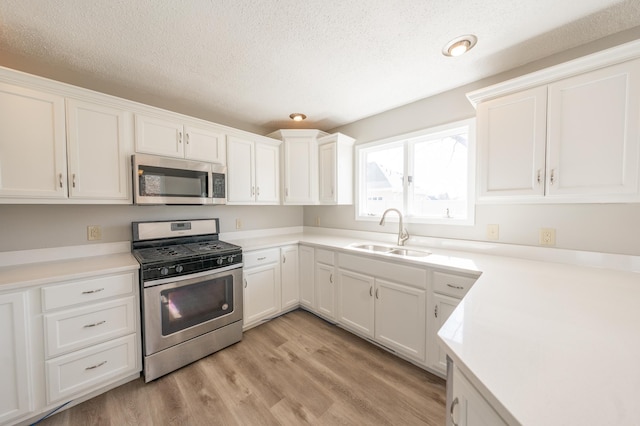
{"points": [[294, 370]]}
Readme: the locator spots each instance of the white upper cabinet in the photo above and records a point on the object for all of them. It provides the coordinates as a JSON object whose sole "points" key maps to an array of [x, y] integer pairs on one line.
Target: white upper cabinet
{"points": [[511, 144], [99, 142], [299, 165], [335, 169], [575, 138], [170, 136], [594, 133], [252, 171], [32, 144]]}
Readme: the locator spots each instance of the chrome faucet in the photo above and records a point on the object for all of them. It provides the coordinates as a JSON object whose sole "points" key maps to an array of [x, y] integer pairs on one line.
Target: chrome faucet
{"points": [[403, 235]]}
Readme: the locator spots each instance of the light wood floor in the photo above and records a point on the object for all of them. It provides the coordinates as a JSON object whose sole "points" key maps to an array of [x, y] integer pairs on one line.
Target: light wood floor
{"points": [[296, 369]]}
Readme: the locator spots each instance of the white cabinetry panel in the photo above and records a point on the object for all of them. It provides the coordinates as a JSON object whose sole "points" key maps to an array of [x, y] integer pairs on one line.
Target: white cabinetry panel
{"points": [[32, 144], [356, 303], [15, 375]]}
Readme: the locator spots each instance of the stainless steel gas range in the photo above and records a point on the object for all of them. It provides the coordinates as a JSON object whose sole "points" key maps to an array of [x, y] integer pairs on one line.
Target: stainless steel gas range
{"points": [[191, 292]]}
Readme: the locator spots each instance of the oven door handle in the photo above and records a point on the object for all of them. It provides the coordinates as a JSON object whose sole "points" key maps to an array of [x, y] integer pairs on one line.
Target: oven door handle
{"points": [[153, 283]]}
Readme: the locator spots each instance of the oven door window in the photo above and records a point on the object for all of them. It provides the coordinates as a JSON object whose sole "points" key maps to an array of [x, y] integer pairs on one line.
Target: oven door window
{"points": [[184, 307], [166, 182]]}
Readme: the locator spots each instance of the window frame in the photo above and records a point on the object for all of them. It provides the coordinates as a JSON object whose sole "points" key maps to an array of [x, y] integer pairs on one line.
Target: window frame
{"points": [[407, 140]]}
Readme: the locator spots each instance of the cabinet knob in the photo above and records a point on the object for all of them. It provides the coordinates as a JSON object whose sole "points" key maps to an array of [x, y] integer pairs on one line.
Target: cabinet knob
{"points": [[453, 406]]}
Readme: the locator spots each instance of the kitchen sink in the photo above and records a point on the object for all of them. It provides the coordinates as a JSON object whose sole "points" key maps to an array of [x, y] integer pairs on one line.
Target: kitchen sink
{"points": [[373, 247], [391, 250], [410, 252]]}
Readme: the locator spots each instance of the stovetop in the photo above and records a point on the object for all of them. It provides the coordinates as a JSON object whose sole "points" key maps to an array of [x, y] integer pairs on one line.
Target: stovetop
{"points": [[168, 252]]}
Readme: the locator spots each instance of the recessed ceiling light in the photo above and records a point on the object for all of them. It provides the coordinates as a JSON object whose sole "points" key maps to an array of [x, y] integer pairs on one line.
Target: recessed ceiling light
{"points": [[296, 116], [459, 45]]}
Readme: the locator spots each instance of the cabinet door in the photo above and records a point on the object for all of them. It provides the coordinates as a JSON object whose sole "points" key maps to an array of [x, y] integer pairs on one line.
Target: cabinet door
{"points": [[306, 264], [400, 318], [240, 168], [327, 173], [355, 302], [468, 406], [442, 308], [99, 147], [32, 144], [300, 170], [325, 290], [261, 293], [204, 144], [511, 145], [594, 132], [289, 274], [15, 385], [159, 136], [267, 173]]}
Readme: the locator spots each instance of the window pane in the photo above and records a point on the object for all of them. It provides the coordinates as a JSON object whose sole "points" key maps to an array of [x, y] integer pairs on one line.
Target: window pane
{"points": [[383, 184], [440, 168]]}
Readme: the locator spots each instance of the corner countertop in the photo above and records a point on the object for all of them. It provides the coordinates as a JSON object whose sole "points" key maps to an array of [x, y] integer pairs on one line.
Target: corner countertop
{"points": [[546, 343]]}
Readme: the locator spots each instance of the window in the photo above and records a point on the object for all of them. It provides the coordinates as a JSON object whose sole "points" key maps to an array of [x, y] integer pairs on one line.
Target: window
{"points": [[427, 175]]}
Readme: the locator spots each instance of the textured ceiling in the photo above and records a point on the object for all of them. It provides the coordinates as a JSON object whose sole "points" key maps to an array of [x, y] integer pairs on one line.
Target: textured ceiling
{"points": [[256, 61]]}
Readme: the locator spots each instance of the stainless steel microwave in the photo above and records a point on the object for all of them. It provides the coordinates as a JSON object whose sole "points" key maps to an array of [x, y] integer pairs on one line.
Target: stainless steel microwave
{"points": [[162, 180]]}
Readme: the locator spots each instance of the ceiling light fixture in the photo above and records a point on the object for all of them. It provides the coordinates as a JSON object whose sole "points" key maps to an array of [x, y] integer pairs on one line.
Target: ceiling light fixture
{"points": [[459, 45], [296, 116]]}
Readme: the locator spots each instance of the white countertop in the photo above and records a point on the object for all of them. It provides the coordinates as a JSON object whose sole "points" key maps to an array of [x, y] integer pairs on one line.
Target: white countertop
{"points": [[547, 343]]}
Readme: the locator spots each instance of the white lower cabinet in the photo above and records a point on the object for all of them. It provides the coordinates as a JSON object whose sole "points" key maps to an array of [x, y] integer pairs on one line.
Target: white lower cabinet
{"points": [[468, 407], [289, 275], [15, 374], [400, 318], [65, 340], [447, 289], [90, 333], [325, 284], [306, 263], [384, 301], [261, 285]]}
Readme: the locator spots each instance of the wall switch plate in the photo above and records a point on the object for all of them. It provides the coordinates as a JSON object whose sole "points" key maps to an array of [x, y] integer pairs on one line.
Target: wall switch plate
{"points": [[238, 224], [94, 232], [547, 237], [493, 232]]}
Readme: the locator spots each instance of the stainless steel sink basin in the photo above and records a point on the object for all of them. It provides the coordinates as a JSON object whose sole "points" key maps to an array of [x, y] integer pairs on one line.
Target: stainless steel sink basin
{"points": [[410, 253], [373, 247], [397, 251]]}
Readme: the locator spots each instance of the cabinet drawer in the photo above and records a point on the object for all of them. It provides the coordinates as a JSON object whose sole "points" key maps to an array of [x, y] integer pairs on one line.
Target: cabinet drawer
{"points": [[261, 257], [452, 284], [91, 367], [324, 256], [87, 290], [73, 329]]}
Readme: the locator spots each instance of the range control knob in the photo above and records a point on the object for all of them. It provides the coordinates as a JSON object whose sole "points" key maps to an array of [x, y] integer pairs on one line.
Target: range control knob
{"points": [[230, 259], [220, 260], [164, 270], [179, 268]]}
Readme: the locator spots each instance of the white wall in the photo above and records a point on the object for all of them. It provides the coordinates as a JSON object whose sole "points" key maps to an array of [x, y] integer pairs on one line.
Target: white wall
{"points": [[25, 227], [612, 228]]}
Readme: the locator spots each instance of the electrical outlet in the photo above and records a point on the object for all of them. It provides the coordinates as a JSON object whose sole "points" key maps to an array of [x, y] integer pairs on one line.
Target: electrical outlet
{"points": [[317, 220], [547, 237], [238, 224], [493, 232], [94, 232]]}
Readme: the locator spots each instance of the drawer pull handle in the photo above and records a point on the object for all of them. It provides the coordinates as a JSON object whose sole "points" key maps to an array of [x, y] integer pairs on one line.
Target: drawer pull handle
{"points": [[96, 366], [331, 278], [284, 258], [453, 405], [371, 291], [377, 293], [93, 291], [245, 283], [457, 287], [261, 258], [95, 324]]}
